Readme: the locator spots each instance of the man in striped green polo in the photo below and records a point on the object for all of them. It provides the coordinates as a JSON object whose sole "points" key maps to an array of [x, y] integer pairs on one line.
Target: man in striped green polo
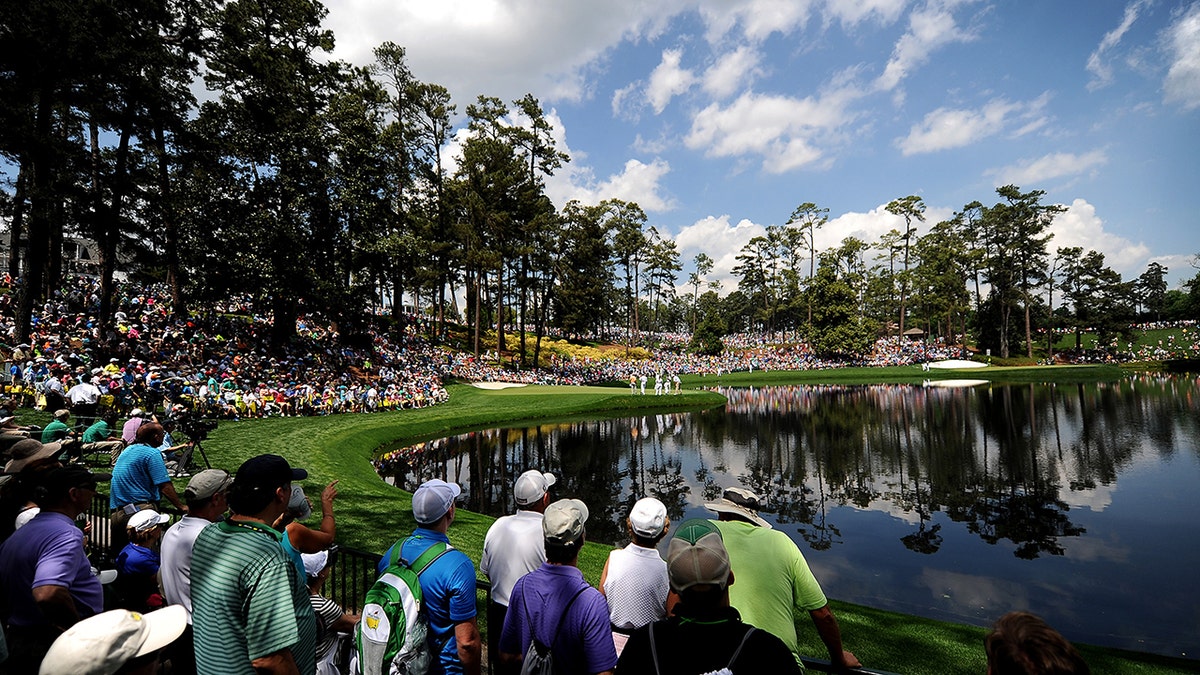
{"points": [[250, 611]]}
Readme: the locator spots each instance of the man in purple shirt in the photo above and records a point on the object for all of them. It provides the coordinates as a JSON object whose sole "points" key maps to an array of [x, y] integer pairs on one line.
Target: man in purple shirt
{"points": [[556, 606], [45, 576]]}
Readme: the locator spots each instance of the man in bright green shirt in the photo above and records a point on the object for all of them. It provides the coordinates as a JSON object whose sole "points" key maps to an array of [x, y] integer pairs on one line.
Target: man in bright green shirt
{"points": [[57, 430], [98, 438], [773, 580]]}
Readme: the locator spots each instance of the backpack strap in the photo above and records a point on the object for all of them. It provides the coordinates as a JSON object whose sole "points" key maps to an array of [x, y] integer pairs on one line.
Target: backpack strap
{"points": [[430, 554], [654, 648], [740, 645], [529, 617]]}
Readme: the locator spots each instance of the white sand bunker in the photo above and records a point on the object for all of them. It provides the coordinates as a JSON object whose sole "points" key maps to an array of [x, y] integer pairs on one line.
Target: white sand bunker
{"points": [[497, 385], [950, 364], [954, 384]]}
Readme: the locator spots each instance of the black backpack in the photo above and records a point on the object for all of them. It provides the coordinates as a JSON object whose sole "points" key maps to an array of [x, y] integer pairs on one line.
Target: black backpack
{"points": [[727, 670]]}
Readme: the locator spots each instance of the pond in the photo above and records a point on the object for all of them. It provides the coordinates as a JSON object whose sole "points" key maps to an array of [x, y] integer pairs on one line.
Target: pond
{"points": [[1076, 502]]}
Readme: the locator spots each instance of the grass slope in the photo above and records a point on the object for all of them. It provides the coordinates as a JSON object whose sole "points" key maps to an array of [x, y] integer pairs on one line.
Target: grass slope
{"points": [[372, 514]]}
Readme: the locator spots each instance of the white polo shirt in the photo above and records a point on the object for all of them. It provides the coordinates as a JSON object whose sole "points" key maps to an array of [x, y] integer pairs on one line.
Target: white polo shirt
{"points": [[175, 573], [512, 548]]}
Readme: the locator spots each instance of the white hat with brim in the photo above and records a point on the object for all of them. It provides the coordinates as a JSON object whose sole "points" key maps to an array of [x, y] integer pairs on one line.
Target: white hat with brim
{"points": [[433, 499], [648, 517], [739, 502], [147, 519], [314, 563], [105, 576], [102, 644]]}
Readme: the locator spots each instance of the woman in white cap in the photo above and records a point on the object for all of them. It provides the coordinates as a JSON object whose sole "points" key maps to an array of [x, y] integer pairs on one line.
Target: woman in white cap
{"points": [[634, 579], [137, 564]]}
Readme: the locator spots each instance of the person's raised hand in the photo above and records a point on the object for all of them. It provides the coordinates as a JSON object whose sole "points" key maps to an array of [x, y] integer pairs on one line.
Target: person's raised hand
{"points": [[329, 494]]}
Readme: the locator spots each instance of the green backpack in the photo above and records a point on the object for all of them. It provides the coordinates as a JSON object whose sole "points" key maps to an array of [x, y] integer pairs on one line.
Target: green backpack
{"points": [[392, 636]]}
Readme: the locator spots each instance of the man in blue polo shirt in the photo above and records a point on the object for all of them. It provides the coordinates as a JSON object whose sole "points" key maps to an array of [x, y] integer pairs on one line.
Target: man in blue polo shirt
{"points": [[139, 481], [448, 584]]}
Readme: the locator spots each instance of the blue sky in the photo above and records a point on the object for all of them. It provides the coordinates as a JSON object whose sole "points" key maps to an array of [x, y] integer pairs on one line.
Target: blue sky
{"points": [[720, 116]]}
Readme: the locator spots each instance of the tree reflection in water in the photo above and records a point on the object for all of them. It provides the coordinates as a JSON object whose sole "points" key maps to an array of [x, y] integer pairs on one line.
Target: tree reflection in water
{"points": [[958, 504], [994, 458]]}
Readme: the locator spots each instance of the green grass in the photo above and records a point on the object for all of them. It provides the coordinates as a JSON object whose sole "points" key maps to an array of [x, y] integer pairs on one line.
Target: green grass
{"points": [[371, 514], [1184, 338]]}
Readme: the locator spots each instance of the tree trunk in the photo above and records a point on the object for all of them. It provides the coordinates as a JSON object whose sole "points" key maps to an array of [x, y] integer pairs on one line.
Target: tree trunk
{"points": [[107, 227], [478, 310], [284, 312], [18, 221], [40, 221], [1028, 328], [522, 299], [499, 309], [170, 226]]}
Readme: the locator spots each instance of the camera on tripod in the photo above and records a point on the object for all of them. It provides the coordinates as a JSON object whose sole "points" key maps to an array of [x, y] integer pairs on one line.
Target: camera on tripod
{"points": [[192, 425], [196, 427]]}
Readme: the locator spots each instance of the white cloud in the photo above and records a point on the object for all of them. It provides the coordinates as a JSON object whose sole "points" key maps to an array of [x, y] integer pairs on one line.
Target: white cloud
{"points": [[668, 80], [1180, 267], [721, 241], [1080, 226], [853, 12], [732, 71], [784, 131], [947, 128], [651, 146], [1047, 167], [1182, 84], [931, 27], [622, 106], [873, 224], [1101, 71], [485, 46], [758, 19], [637, 182]]}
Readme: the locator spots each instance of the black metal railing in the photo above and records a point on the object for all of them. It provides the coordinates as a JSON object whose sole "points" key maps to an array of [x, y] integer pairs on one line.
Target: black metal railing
{"points": [[353, 572]]}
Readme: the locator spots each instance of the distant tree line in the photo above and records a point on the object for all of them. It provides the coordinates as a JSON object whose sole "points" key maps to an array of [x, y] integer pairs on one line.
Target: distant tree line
{"points": [[989, 272], [311, 185]]}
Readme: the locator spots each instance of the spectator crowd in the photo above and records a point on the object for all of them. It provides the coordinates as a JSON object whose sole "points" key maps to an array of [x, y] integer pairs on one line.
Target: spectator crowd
{"points": [[217, 360]]}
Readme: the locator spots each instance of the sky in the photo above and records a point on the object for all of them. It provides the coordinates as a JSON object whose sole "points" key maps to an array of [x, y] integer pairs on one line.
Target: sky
{"points": [[719, 117]]}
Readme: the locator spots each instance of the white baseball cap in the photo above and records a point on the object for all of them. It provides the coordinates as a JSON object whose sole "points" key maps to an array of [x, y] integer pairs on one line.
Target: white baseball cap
{"points": [[101, 644], [531, 486], [433, 499], [146, 519], [648, 518], [563, 521]]}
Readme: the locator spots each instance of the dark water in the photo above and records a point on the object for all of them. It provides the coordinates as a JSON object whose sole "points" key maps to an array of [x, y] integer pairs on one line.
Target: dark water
{"points": [[1079, 502]]}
